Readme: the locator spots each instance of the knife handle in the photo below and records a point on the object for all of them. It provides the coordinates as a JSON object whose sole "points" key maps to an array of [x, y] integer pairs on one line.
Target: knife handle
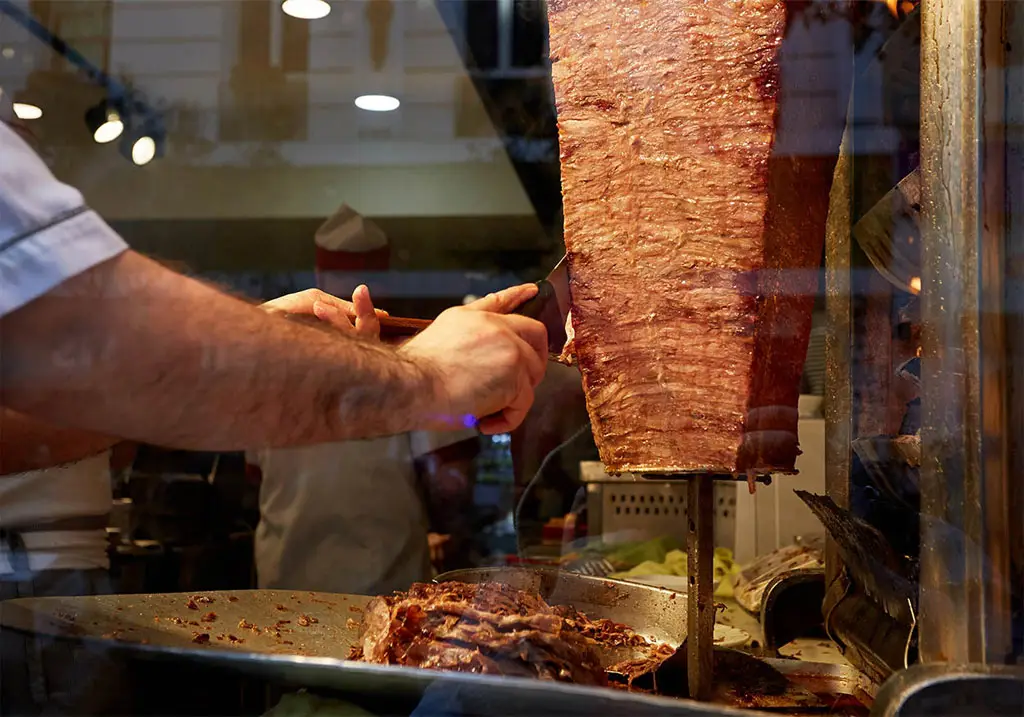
{"points": [[534, 308], [544, 308], [390, 326]]}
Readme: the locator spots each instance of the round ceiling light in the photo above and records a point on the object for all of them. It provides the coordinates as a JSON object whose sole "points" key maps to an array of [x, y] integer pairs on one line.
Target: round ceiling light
{"points": [[25, 111], [109, 130], [143, 150], [105, 123], [306, 9], [377, 103]]}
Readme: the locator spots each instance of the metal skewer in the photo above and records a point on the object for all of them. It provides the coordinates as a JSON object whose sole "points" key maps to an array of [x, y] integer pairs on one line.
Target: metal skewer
{"points": [[700, 603], [700, 559]]}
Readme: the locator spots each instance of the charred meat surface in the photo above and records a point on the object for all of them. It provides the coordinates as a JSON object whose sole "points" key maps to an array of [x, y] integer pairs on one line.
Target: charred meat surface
{"points": [[693, 251], [485, 628]]}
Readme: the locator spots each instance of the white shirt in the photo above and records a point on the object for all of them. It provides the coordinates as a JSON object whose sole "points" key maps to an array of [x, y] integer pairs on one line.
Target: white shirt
{"points": [[74, 490], [47, 234], [345, 517]]}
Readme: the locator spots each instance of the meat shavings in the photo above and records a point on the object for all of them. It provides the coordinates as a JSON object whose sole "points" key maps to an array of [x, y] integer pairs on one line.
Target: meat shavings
{"points": [[191, 604], [232, 598], [306, 620], [202, 599], [488, 628], [632, 668], [200, 638], [602, 630], [209, 617], [244, 624]]}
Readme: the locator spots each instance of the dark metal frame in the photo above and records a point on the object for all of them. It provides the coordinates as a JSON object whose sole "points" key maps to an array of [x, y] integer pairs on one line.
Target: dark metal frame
{"points": [[972, 531], [966, 432]]}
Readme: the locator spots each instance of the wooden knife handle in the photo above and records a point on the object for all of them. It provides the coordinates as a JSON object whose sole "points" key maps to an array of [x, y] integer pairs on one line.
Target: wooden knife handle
{"points": [[397, 326], [390, 326]]}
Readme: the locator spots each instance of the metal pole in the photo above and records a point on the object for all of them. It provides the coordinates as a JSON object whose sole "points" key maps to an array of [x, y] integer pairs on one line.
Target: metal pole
{"points": [[700, 600], [964, 600]]}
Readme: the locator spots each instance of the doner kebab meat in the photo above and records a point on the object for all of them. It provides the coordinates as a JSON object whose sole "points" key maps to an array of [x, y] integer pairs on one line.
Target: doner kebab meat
{"points": [[693, 249], [492, 628]]}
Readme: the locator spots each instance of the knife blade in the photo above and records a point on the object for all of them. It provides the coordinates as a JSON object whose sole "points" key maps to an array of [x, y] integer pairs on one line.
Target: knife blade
{"points": [[551, 305]]}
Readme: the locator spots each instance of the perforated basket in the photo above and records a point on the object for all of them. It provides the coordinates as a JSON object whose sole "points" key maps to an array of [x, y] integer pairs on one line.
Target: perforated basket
{"points": [[627, 507]]}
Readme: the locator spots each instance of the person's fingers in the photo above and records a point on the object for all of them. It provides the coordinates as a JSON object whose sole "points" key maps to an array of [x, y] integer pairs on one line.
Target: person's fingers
{"points": [[534, 364], [506, 300], [333, 315], [302, 302], [531, 331], [511, 416], [367, 323], [348, 306]]}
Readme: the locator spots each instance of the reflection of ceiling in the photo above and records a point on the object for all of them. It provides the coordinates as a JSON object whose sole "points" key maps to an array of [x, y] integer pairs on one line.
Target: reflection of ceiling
{"points": [[260, 115], [164, 190], [488, 244]]}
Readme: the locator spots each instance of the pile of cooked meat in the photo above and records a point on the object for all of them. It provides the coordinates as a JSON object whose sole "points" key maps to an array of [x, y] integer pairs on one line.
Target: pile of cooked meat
{"points": [[490, 628]]}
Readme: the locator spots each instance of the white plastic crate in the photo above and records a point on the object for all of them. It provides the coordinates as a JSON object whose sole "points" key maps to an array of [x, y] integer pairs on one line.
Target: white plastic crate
{"points": [[625, 507]]}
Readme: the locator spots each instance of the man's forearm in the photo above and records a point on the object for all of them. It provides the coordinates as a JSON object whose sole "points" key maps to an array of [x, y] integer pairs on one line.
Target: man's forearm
{"points": [[28, 445], [138, 351]]}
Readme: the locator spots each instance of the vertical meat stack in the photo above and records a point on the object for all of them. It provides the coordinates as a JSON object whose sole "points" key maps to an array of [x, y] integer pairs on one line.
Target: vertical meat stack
{"points": [[692, 271]]}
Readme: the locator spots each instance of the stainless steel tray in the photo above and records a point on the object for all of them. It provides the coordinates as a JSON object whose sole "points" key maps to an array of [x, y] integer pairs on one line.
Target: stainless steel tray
{"points": [[313, 655], [161, 621], [145, 626]]}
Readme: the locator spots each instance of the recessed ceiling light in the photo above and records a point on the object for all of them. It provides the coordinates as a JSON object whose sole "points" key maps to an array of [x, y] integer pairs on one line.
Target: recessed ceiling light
{"points": [[25, 111], [306, 9], [7, 53], [377, 103]]}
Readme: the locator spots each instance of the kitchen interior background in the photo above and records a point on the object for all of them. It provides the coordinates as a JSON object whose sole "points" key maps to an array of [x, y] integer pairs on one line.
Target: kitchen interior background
{"points": [[258, 138]]}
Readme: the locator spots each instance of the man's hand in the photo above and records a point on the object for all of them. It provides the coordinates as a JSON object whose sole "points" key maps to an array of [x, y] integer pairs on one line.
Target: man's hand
{"points": [[357, 316], [485, 362]]}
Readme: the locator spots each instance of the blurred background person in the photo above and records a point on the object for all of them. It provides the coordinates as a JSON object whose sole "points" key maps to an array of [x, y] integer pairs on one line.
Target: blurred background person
{"points": [[355, 516]]}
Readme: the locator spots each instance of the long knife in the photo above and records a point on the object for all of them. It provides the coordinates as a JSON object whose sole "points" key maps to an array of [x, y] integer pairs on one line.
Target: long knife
{"points": [[550, 306]]}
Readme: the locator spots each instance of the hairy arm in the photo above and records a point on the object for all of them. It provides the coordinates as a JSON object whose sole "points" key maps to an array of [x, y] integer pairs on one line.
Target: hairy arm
{"points": [[132, 349], [29, 445]]}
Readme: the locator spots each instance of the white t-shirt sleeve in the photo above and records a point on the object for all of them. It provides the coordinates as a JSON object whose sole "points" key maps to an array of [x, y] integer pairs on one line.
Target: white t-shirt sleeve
{"points": [[423, 442], [47, 233]]}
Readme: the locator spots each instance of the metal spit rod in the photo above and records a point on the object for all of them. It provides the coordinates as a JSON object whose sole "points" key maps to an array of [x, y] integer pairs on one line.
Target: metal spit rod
{"points": [[700, 602], [700, 563]]}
